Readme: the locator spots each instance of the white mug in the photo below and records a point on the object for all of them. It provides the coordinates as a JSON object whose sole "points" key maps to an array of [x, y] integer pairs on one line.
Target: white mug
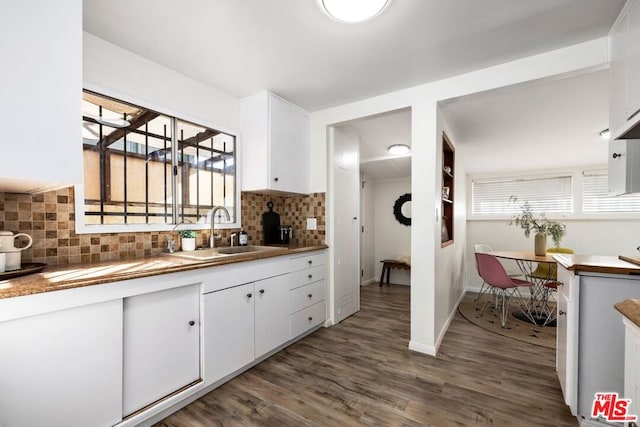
{"points": [[12, 261], [7, 239]]}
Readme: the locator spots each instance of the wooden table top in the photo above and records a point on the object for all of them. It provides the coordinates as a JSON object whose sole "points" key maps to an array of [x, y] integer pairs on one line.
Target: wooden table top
{"points": [[524, 256]]}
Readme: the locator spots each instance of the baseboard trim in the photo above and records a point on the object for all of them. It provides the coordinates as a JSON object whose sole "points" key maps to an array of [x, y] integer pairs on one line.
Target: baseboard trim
{"points": [[447, 323], [422, 348]]}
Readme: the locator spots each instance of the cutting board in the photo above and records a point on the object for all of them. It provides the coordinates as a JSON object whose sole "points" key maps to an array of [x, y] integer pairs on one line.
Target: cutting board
{"points": [[630, 258], [271, 225]]}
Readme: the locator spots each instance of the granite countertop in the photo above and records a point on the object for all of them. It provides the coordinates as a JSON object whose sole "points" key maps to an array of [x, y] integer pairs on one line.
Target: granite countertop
{"points": [[596, 264], [630, 308], [59, 277]]}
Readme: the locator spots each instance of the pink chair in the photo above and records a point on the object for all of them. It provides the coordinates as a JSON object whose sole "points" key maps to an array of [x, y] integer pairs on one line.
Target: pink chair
{"points": [[501, 285]]}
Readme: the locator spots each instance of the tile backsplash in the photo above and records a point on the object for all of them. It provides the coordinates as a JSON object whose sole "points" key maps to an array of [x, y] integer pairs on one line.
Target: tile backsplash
{"points": [[49, 218]]}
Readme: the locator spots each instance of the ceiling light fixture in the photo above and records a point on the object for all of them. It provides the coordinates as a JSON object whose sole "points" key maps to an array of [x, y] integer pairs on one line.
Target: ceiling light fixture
{"points": [[353, 10], [605, 134], [398, 149]]}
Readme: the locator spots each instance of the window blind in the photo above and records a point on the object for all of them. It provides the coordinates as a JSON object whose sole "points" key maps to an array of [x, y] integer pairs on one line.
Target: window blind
{"points": [[595, 198], [548, 195]]}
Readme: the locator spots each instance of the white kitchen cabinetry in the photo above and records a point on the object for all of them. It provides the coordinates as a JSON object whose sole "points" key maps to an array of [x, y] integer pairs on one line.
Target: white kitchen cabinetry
{"points": [[567, 337], [272, 317], [590, 336], [41, 86], [307, 308], [624, 113], [62, 369], [161, 345], [632, 366], [275, 144], [624, 167], [228, 330]]}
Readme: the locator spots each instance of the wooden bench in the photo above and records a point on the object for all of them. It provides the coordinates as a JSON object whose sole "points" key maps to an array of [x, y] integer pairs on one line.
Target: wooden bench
{"points": [[388, 264]]}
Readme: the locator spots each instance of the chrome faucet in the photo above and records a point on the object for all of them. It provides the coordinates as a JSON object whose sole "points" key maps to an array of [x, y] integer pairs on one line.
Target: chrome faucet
{"points": [[211, 214]]}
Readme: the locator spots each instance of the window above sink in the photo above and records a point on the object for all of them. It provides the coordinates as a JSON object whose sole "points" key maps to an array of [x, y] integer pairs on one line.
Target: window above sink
{"points": [[148, 171]]}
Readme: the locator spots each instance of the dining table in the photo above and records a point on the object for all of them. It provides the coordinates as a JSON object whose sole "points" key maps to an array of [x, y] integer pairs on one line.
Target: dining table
{"points": [[538, 309]]}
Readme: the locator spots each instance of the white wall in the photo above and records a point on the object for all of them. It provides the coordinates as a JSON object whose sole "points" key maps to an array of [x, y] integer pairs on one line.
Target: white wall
{"points": [[425, 193], [122, 74], [450, 282], [392, 239], [367, 214]]}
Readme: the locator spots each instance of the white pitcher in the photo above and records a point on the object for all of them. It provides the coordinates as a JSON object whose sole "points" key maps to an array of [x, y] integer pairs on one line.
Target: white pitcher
{"points": [[7, 240]]}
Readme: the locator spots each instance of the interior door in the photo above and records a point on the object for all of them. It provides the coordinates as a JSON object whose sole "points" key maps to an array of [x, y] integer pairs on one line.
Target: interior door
{"points": [[347, 225]]}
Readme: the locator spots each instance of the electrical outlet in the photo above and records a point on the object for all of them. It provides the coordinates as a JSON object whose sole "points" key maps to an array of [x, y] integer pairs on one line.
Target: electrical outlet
{"points": [[312, 224]]}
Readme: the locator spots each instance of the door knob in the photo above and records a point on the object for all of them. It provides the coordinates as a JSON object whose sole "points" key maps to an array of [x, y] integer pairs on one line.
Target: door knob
{"points": [[310, 295], [262, 291], [191, 323], [249, 295]]}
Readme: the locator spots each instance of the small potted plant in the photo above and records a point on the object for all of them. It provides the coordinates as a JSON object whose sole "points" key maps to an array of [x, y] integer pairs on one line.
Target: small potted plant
{"points": [[542, 226], [188, 240]]}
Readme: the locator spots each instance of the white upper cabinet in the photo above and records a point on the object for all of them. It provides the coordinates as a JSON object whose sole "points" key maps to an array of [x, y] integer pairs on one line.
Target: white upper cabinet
{"points": [[275, 144], [41, 86], [624, 110], [624, 167]]}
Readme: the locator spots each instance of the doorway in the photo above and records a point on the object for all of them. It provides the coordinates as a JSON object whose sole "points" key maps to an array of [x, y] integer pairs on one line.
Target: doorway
{"points": [[382, 178]]}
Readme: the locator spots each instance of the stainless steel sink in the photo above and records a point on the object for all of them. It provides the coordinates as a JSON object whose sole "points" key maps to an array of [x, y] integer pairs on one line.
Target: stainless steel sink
{"points": [[244, 249], [208, 254]]}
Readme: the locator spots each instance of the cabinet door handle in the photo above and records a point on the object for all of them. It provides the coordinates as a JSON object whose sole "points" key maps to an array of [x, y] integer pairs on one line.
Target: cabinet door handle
{"points": [[275, 179], [262, 291], [310, 295], [191, 323], [310, 262], [310, 276], [561, 313], [616, 155], [310, 318], [560, 284], [635, 113], [249, 295]]}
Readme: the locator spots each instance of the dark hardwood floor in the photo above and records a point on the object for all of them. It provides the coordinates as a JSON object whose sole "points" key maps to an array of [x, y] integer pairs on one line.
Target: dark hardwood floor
{"points": [[360, 372]]}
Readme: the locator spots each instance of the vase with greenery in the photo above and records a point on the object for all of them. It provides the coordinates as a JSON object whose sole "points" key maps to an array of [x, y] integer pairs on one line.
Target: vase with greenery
{"points": [[188, 240], [542, 226]]}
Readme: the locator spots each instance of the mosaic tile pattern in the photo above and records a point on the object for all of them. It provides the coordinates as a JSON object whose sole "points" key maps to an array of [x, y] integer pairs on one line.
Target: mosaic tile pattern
{"points": [[49, 218]]}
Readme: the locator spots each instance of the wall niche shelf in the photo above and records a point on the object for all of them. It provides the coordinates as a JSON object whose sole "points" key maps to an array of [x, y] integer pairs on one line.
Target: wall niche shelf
{"points": [[447, 208]]}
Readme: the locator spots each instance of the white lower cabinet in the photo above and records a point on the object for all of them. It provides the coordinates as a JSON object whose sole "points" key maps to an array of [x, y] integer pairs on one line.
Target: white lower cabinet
{"points": [[243, 323], [63, 368], [307, 308], [161, 345], [632, 366], [228, 331], [567, 337], [271, 314]]}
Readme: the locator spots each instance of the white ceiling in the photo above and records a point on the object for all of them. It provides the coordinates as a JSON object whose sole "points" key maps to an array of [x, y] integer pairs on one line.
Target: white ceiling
{"points": [[538, 125], [292, 48]]}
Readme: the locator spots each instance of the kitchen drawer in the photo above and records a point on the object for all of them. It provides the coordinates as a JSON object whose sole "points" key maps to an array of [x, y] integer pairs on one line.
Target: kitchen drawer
{"points": [[306, 276], [306, 319], [306, 261], [307, 295], [567, 282]]}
